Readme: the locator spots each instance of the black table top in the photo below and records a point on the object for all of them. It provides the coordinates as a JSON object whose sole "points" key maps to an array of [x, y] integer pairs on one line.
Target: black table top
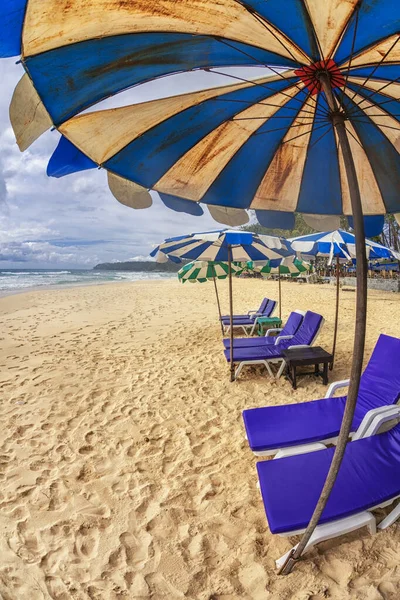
{"points": [[304, 356]]}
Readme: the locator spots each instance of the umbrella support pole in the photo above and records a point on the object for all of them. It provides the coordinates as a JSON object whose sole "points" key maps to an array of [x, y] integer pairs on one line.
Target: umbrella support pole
{"points": [[336, 313], [280, 294], [218, 304], [338, 121], [231, 313]]}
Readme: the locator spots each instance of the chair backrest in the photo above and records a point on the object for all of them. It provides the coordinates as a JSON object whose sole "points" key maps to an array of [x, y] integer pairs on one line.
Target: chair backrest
{"points": [[269, 308], [263, 305], [293, 323], [380, 382], [308, 330]]}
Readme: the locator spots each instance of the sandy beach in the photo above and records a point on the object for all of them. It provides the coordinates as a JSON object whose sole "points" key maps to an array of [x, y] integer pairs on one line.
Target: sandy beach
{"points": [[124, 468]]}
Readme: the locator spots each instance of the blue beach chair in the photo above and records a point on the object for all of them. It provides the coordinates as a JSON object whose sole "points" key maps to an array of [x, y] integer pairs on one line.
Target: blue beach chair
{"points": [[249, 322], [369, 478], [265, 355], [271, 428], [292, 325]]}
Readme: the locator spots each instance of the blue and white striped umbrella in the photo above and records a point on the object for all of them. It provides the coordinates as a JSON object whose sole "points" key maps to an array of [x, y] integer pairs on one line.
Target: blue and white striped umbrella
{"points": [[339, 244], [215, 246], [266, 143]]}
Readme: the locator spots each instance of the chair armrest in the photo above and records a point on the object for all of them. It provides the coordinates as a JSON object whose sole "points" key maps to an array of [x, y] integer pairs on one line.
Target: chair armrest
{"points": [[373, 420], [299, 346], [295, 450], [276, 330], [336, 385], [283, 337], [252, 312]]}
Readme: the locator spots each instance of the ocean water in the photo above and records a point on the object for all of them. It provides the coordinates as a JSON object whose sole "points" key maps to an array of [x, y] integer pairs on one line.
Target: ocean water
{"points": [[19, 280]]}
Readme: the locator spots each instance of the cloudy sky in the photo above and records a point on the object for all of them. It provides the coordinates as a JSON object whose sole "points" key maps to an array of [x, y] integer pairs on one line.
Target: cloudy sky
{"points": [[75, 221]]}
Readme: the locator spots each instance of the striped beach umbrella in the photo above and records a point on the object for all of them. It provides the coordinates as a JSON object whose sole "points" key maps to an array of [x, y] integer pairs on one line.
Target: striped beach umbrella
{"points": [[201, 271], [290, 267], [318, 134], [227, 245], [341, 245], [240, 246]]}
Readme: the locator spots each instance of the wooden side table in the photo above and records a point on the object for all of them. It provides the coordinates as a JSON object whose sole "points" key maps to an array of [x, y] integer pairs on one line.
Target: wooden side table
{"points": [[302, 357]]}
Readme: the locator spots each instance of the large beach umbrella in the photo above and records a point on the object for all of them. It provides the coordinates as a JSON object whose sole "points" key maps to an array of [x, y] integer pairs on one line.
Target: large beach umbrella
{"points": [[339, 245], [202, 271], [289, 267], [319, 136], [228, 246]]}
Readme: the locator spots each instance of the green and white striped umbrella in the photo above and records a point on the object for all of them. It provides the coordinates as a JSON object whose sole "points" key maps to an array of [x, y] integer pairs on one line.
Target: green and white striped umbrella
{"points": [[202, 271], [290, 266]]}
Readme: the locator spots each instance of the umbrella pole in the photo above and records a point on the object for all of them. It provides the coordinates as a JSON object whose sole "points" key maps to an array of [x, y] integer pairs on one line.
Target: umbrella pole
{"points": [[280, 295], [336, 313], [218, 304], [231, 313], [338, 121]]}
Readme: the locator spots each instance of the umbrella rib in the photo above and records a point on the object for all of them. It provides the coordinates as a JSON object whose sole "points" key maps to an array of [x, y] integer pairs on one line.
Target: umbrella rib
{"points": [[351, 52], [264, 104], [320, 138], [287, 128], [264, 23], [354, 137], [267, 66], [376, 124], [305, 133], [375, 68], [377, 92], [271, 117], [255, 83]]}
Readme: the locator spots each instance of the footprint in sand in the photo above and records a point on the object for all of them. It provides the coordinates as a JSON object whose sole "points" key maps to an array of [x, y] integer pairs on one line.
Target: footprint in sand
{"points": [[26, 544], [57, 589], [87, 542]]}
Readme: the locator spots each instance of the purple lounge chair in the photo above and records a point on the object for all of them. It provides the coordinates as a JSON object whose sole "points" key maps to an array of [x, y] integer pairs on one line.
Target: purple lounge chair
{"points": [[264, 355], [369, 477], [249, 323], [271, 428], [292, 324], [263, 306]]}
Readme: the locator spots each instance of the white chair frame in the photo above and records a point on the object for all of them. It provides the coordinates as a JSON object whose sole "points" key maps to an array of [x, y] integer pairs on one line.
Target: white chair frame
{"points": [[365, 518]]}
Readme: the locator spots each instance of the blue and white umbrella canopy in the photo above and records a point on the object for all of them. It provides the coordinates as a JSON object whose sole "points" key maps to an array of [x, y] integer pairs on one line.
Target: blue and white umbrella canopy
{"points": [[339, 244], [215, 246], [266, 143]]}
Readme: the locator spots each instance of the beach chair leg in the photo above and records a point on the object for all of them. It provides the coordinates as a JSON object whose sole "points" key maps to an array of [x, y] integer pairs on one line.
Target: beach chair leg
{"points": [[332, 530], [281, 369], [391, 518], [253, 362]]}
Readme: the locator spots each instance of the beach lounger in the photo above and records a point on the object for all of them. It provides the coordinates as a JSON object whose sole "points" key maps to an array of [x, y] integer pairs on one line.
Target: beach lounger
{"points": [[249, 323], [292, 325], [270, 428], [369, 478], [263, 306], [266, 355]]}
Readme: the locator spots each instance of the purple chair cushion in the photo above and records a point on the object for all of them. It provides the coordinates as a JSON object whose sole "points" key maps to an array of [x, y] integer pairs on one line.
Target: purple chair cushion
{"points": [[292, 324], [305, 335], [272, 427], [368, 476], [261, 309], [266, 311]]}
